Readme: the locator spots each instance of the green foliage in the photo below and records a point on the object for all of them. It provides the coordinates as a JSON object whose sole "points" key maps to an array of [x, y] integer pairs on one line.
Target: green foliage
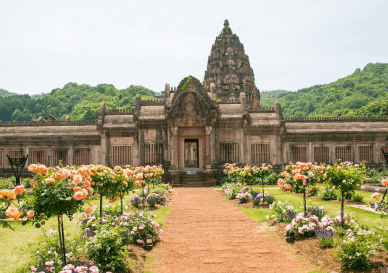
{"points": [[5, 93], [361, 94], [6, 183], [284, 211], [77, 101], [108, 249], [274, 94], [313, 190], [217, 100], [345, 177], [325, 237], [358, 197], [327, 192], [357, 247], [48, 249], [233, 189], [186, 85]]}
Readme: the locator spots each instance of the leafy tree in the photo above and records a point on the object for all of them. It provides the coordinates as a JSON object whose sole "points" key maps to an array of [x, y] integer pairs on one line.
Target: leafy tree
{"points": [[359, 94]]}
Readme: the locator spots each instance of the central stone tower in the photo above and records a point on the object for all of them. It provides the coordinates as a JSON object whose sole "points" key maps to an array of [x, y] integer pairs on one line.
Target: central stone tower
{"points": [[229, 71]]}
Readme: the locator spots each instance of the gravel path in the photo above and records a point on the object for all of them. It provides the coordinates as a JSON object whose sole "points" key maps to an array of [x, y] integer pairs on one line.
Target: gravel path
{"points": [[207, 233]]}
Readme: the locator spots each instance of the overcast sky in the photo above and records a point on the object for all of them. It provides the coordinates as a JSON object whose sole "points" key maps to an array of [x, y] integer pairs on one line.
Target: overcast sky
{"points": [[290, 44]]}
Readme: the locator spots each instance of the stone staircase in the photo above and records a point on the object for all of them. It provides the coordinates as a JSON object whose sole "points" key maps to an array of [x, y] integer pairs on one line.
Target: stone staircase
{"points": [[196, 180]]}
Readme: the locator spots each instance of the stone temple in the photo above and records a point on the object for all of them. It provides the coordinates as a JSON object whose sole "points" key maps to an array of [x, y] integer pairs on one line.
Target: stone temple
{"points": [[194, 128]]}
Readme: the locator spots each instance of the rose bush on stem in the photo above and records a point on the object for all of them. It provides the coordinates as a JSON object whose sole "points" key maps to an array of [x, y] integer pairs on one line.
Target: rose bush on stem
{"points": [[124, 180], [231, 171], [58, 192], [104, 182], [299, 176], [244, 174], [264, 174], [346, 178]]}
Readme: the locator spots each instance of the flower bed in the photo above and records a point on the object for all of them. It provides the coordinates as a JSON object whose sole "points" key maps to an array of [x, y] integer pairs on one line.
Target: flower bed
{"points": [[63, 191]]}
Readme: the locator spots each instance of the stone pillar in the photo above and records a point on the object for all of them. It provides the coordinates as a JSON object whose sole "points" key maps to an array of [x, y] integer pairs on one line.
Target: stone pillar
{"points": [[243, 147], [332, 153], [175, 148], [49, 157], [104, 147], [213, 147], [208, 130], [71, 155]]}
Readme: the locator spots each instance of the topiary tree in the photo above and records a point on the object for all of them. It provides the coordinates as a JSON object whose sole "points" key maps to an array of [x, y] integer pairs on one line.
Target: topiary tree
{"points": [[57, 192], [346, 178], [104, 182]]}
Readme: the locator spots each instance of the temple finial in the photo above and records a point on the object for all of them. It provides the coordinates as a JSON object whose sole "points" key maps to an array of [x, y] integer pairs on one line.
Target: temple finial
{"points": [[226, 23]]}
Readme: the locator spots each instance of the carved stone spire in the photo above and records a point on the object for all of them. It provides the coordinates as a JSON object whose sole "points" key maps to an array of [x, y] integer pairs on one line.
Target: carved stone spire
{"points": [[228, 69]]}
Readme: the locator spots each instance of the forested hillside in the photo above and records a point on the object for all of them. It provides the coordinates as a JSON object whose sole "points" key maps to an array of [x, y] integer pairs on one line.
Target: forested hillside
{"points": [[5, 93], [361, 94], [80, 102]]}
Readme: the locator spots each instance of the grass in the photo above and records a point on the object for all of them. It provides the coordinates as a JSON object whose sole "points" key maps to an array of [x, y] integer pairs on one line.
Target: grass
{"points": [[14, 251], [363, 217]]}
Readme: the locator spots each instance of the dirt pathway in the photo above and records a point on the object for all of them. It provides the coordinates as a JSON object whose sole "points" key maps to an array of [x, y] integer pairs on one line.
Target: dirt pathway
{"points": [[206, 233]]}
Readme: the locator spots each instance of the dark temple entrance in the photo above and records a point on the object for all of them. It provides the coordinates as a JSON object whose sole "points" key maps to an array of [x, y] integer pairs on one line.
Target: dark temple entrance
{"points": [[191, 153]]}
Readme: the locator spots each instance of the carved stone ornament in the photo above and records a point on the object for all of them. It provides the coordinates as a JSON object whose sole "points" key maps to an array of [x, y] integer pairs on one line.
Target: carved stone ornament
{"points": [[192, 108]]}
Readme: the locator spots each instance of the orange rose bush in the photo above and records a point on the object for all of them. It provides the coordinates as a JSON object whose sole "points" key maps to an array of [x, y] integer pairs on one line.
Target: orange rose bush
{"points": [[298, 177], [57, 192], [113, 184], [345, 177]]}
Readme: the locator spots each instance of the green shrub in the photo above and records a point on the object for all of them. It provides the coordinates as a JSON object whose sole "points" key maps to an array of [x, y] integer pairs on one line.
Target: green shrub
{"points": [[356, 248], [325, 237], [328, 193], [313, 190], [358, 197], [48, 249], [108, 249], [6, 184], [233, 189], [284, 211], [347, 195]]}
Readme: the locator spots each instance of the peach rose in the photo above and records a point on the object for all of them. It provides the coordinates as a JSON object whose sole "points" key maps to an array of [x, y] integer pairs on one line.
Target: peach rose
{"points": [[77, 179], [77, 189], [30, 214], [42, 169], [375, 195], [78, 195], [19, 190], [84, 193], [90, 190], [384, 182], [13, 212], [90, 209], [33, 168], [49, 180]]}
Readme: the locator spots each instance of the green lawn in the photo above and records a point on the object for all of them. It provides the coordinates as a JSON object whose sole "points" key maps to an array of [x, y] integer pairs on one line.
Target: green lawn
{"points": [[362, 216], [14, 253]]}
